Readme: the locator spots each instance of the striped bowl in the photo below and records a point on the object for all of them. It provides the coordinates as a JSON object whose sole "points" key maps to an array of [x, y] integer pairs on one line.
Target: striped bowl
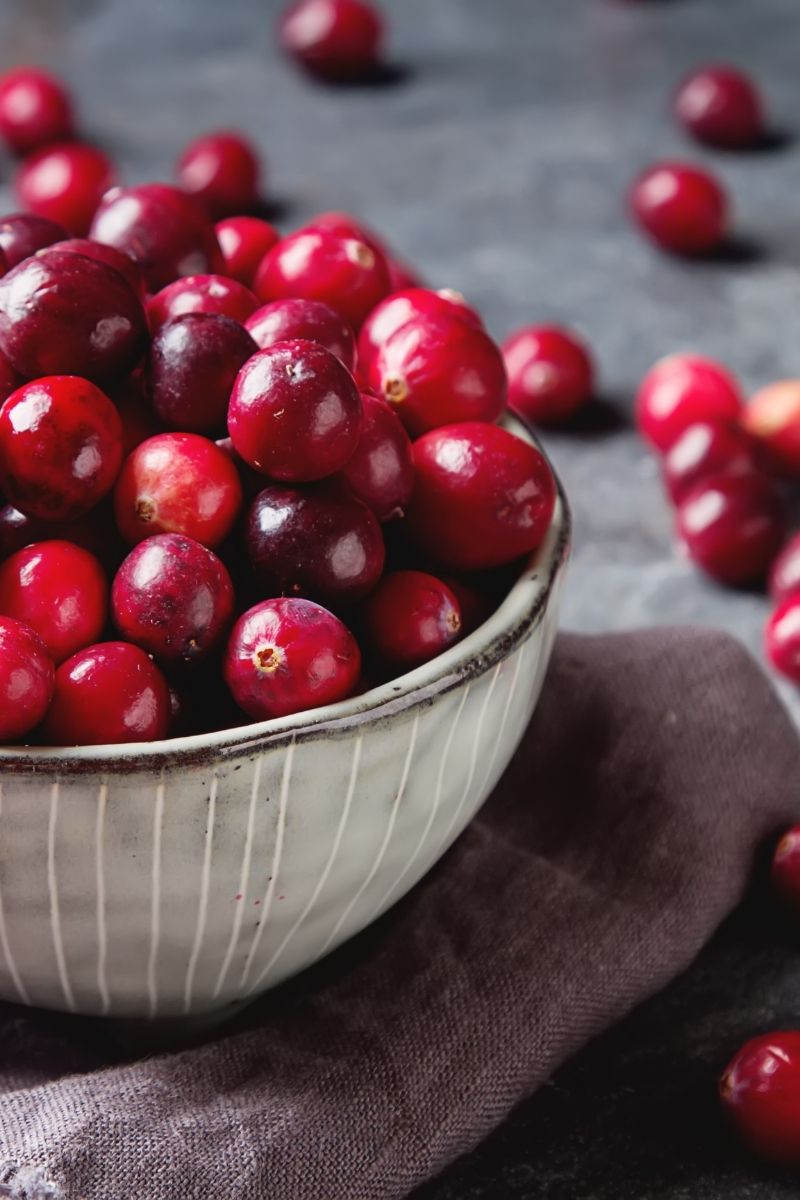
{"points": [[185, 877]]}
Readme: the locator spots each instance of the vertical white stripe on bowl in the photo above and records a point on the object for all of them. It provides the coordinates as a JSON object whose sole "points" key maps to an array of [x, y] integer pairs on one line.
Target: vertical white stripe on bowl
{"points": [[100, 884], [244, 875], [52, 884], [4, 942], [202, 908], [155, 898], [506, 709], [476, 743]]}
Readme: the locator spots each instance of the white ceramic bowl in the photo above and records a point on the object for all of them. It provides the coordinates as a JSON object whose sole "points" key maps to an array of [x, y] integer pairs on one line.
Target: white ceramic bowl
{"points": [[185, 876]]}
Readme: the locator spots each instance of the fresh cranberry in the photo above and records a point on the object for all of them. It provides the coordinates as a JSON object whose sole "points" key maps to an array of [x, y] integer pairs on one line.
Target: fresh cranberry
{"points": [[295, 412], [760, 1091], [191, 370], [110, 256], [201, 294], [732, 527], [401, 275], [704, 450], [35, 109], [165, 231], [684, 390], [782, 638], [109, 693], [222, 171], [333, 39], [311, 320], [96, 532], [316, 264], [314, 540], [60, 447], [65, 314], [252, 481], [177, 483], [139, 422], [721, 106], [286, 656], [682, 208], [786, 869], [22, 234], [784, 576], [410, 618], [401, 307], [26, 680], [345, 225], [772, 418], [10, 379], [380, 471], [58, 589], [65, 184], [476, 604], [550, 373], [244, 241]]}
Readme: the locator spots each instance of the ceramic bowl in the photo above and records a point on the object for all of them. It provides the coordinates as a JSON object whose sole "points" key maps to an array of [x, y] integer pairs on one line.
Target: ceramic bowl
{"points": [[182, 877]]}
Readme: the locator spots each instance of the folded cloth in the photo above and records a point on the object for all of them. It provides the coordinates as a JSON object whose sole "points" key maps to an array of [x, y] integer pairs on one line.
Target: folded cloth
{"points": [[625, 829]]}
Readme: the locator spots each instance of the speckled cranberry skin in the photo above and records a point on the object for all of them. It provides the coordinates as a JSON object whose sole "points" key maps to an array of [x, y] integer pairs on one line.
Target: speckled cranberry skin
{"points": [[732, 527], [410, 618], [705, 450], [65, 184], [244, 241], [22, 234], [283, 320], [550, 373], [784, 576], [681, 208], [35, 109], [201, 294], [27, 678], [720, 106], [380, 471], [397, 309], [332, 39], [221, 170], [786, 859], [682, 390], [191, 369], [772, 419], [760, 1091], [110, 256]]}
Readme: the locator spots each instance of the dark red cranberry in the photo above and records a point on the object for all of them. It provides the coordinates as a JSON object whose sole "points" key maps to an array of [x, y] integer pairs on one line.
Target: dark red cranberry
{"points": [[244, 241], [314, 540], [22, 234], [401, 275], [65, 184], [10, 379], [109, 693], [720, 105], [96, 532], [705, 450], [681, 208], [64, 314], [476, 604], [35, 109], [410, 618], [286, 656], [173, 597], [178, 483], [316, 264], [333, 39], [380, 471], [165, 231], [222, 171], [760, 1091], [252, 481], [283, 320], [110, 256], [482, 497], [26, 680], [772, 418], [684, 390], [550, 373], [784, 576], [58, 589], [786, 870], [401, 307], [732, 527], [139, 422], [60, 447], [201, 294], [782, 638], [191, 370], [295, 413]]}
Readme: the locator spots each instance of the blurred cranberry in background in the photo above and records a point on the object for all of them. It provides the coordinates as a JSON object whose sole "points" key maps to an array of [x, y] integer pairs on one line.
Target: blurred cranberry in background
{"points": [[65, 184], [35, 109]]}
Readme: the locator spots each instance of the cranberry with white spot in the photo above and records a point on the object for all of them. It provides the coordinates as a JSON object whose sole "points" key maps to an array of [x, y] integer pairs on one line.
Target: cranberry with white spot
{"points": [[26, 680]]}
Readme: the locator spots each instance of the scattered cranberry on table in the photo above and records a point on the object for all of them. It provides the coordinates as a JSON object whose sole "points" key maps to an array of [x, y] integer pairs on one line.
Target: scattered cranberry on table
{"points": [[311, 320], [22, 234], [333, 39], [772, 418], [784, 576], [380, 471], [222, 171], [26, 680], [732, 527], [201, 294], [65, 184], [550, 373], [782, 638], [35, 109], [721, 106], [682, 390], [410, 618], [681, 207], [243, 242], [705, 450], [786, 870], [760, 1091]]}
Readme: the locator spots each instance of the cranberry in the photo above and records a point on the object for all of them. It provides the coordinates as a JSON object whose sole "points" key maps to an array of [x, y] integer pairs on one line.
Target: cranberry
{"points": [[295, 413], [761, 1093], [10, 379], [252, 481], [704, 450], [26, 680], [244, 241], [173, 597], [784, 576], [110, 256], [380, 471], [139, 422], [308, 319], [221, 170], [108, 693], [58, 589], [192, 367], [333, 39], [65, 184], [177, 483], [732, 527], [680, 207], [401, 275], [786, 869], [721, 106], [35, 109], [64, 314], [286, 655], [347, 226], [22, 234], [165, 231], [401, 307], [316, 264], [201, 294], [772, 418], [782, 638], [95, 532], [683, 390], [550, 373], [60, 447], [475, 605], [410, 618], [316, 540]]}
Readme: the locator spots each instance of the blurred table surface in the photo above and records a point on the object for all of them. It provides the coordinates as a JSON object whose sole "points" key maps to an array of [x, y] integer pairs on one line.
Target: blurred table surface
{"points": [[497, 162]]}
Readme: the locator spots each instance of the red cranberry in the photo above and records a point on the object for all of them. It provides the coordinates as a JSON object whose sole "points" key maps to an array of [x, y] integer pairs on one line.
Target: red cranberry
{"points": [[22, 234], [784, 576], [64, 314], [108, 693], [172, 597], [315, 540], [244, 241], [782, 638], [401, 275], [482, 497], [704, 450], [786, 869], [110, 256], [680, 207], [221, 170], [201, 294], [721, 106], [380, 471], [252, 481], [286, 656], [683, 390], [295, 413], [58, 589], [333, 39], [26, 680], [410, 618], [165, 231], [65, 184], [760, 1091], [35, 109], [139, 422], [10, 379], [311, 320], [772, 418], [316, 264], [192, 367], [345, 225], [60, 447], [475, 604], [550, 373], [732, 527], [178, 483], [401, 307]]}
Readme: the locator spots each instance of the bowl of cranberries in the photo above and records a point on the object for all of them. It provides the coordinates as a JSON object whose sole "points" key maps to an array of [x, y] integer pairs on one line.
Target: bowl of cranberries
{"points": [[278, 586]]}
